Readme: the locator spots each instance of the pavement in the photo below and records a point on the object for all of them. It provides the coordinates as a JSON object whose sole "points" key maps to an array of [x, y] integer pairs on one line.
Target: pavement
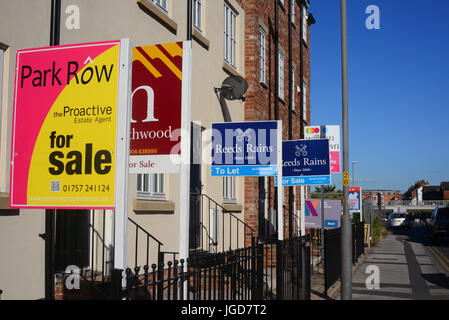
{"points": [[410, 267]]}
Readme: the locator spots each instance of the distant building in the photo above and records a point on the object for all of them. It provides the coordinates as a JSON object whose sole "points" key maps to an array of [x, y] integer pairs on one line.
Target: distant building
{"points": [[444, 187], [385, 196]]}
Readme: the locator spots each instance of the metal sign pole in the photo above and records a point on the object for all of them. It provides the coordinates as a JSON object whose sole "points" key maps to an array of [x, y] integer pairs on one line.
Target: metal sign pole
{"points": [[322, 226], [122, 158], [280, 188], [303, 211], [346, 227]]}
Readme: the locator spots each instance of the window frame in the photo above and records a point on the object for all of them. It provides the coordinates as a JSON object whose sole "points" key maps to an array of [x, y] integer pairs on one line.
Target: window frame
{"points": [[304, 100], [304, 24], [2, 66], [230, 35], [162, 4], [281, 78], [292, 103], [229, 189], [147, 183], [262, 55], [292, 5], [197, 20]]}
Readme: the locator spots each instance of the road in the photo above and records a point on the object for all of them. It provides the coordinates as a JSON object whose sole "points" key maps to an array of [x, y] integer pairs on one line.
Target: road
{"points": [[411, 268]]}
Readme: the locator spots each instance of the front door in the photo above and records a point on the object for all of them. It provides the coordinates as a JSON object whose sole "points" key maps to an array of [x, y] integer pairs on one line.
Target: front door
{"points": [[72, 239], [195, 218]]}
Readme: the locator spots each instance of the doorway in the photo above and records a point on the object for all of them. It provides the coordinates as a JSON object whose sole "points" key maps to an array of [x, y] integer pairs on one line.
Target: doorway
{"points": [[195, 218]]}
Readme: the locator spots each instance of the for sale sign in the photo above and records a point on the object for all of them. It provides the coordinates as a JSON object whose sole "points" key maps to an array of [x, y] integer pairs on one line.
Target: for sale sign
{"points": [[64, 126], [333, 134], [156, 108], [305, 162]]}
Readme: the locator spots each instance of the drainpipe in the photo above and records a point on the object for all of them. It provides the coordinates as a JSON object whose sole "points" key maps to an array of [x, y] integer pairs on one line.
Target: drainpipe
{"points": [[290, 110], [276, 89], [189, 20]]}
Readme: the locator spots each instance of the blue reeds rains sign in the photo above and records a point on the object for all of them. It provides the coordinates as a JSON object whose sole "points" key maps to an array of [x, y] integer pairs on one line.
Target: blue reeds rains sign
{"points": [[245, 148], [305, 162]]}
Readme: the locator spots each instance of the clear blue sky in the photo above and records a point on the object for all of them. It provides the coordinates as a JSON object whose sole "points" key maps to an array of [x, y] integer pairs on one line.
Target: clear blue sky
{"points": [[398, 89]]}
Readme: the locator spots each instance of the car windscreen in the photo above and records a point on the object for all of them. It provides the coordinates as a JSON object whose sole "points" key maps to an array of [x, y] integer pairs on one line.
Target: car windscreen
{"points": [[398, 215], [443, 214]]}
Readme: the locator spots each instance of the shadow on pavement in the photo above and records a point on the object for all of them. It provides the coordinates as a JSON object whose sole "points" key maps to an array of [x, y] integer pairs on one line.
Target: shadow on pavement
{"points": [[438, 279]]}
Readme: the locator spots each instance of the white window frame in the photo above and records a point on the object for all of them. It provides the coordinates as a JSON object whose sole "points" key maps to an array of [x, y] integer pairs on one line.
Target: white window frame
{"points": [[2, 60], [229, 189], [292, 103], [292, 4], [161, 4], [230, 35], [146, 189], [281, 79], [304, 100], [197, 14], [262, 55], [304, 24]]}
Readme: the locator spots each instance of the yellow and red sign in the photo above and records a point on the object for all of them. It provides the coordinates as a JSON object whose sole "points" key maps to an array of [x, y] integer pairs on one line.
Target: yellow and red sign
{"points": [[64, 126], [155, 135]]}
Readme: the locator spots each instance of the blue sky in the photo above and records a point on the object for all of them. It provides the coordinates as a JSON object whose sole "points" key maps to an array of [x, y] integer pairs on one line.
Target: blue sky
{"points": [[398, 89]]}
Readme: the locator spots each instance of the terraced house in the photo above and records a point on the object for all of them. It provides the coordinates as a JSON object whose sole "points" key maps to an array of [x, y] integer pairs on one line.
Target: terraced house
{"points": [[265, 42]]}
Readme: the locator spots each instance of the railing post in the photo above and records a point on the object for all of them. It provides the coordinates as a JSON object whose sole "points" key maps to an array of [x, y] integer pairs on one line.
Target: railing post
{"points": [[279, 270], [160, 280], [306, 277], [116, 284], [254, 260], [326, 264]]}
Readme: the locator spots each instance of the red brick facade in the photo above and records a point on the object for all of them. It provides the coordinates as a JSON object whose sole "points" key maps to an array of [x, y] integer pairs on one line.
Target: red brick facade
{"points": [[260, 97]]}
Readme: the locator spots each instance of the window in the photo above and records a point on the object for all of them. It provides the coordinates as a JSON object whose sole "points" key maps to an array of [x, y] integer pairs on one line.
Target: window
{"points": [[304, 24], [151, 186], [230, 24], [162, 4], [197, 13], [292, 7], [304, 101], [262, 37], [229, 189], [292, 88], [281, 75], [2, 56]]}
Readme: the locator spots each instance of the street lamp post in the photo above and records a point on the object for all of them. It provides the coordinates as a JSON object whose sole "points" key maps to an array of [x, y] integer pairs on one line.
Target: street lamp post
{"points": [[353, 174], [346, 223]]}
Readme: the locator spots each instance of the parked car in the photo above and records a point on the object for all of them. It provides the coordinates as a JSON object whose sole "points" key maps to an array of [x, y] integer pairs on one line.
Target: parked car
{"points": [[438, 225], [398, 220]]}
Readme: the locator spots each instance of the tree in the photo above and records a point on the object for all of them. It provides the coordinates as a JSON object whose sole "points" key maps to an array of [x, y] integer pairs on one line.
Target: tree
{"points": [[327, 189]]}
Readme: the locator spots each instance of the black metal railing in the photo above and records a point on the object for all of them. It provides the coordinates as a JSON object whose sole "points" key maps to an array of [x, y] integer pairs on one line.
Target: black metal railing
{"points": [[293, 222], [146, 244], [293, 269], [218, 228], [332, 257], [358, 240], [264, 270], [315, 250]]}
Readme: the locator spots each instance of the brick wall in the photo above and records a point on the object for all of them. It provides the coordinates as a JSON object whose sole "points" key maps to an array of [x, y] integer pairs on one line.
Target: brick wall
{"points": [[260, 98]]}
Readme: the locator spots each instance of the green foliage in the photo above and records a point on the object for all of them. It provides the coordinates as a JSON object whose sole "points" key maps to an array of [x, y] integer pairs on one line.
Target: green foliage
{"points": [[420, 211], [379, 230], [327, 189]]}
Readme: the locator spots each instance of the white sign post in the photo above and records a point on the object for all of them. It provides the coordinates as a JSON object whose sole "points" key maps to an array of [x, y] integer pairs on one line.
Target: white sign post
{"points": [[280, 189], [122, 158], [184, 192]]}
